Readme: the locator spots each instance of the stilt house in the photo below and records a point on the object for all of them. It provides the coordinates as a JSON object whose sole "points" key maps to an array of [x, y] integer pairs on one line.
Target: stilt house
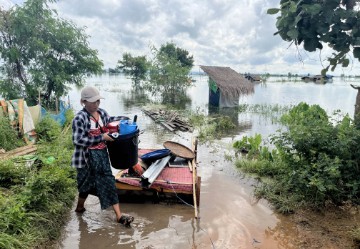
{"points": [[226, 85]]}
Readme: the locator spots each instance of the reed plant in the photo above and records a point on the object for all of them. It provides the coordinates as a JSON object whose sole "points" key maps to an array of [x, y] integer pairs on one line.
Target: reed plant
{"points": [[270, 111]]}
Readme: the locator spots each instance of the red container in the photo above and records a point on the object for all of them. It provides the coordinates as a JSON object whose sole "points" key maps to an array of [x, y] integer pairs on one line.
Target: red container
{"points": [[113, 126]]}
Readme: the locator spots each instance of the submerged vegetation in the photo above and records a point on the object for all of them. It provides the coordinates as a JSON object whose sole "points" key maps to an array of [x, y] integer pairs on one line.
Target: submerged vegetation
{"points": [[35, 199], [211, 127], [264, 109], [272, 112], [218, 123]]}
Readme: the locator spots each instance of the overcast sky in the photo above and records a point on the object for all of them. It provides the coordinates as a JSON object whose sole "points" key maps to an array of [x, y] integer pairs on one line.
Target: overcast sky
{"points": [[233, 33]]}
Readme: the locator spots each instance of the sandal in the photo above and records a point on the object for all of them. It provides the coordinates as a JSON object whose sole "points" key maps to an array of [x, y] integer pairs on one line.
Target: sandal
{"points": [[126, 220]]}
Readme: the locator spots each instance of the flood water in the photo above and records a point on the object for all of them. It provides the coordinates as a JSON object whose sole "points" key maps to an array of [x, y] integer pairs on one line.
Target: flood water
{"points": [[229, 215]]}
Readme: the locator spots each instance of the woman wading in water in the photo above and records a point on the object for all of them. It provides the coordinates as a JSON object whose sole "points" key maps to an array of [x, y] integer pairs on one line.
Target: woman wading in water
{"points": [[89, 135]]}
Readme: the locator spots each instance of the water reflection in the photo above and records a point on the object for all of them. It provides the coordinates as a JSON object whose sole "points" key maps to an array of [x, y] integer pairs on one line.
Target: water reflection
{"points": [[137, 96], [179, 100], [231, 112], [241, 125]]}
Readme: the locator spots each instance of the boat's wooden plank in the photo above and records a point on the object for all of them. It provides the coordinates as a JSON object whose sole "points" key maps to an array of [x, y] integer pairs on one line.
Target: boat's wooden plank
{"points": [[125, 186]]}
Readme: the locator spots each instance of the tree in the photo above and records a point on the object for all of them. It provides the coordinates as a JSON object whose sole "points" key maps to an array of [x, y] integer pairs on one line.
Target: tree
{"points": [[42, 53], [169, 73], [177, 53], [314, 23], [135, 67]]}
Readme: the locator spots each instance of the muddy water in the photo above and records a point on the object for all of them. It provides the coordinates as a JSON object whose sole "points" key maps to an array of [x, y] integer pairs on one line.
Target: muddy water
{"points": [[229, 216]]}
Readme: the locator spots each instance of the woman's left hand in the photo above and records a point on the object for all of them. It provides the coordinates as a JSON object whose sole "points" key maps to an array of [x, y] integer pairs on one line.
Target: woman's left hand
{"points": [[106, 137]]}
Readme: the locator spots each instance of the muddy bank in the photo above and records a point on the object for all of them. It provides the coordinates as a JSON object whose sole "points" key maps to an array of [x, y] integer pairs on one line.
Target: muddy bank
{"points": [[330, 228]]}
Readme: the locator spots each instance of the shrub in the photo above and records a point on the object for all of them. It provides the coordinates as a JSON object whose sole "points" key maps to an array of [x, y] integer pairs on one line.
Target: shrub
{"points": [[48, 129], [322, 159], [9, 138], [316, 160], [12, 175], [69, 116]]}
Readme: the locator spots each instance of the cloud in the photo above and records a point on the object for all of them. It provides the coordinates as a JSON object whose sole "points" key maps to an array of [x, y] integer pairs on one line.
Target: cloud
{"points": [[231, 33]]}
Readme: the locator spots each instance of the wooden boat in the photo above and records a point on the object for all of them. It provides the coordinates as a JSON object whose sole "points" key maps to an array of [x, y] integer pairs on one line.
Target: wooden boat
{"points": [[175, 179]]}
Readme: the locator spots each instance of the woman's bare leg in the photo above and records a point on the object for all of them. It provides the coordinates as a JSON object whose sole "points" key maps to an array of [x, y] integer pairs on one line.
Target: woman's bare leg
{"points": [[117, 211], [80, 205]]}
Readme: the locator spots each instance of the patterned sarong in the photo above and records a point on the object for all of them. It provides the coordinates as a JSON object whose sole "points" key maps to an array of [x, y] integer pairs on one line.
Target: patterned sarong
{"points": [[97, 178]]}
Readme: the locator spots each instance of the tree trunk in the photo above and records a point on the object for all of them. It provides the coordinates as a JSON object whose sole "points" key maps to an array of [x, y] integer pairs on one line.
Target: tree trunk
{"points": [[357, 102], [350, 4]]}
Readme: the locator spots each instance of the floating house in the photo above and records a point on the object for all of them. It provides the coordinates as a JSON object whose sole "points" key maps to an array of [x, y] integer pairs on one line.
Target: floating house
{"points": [[317, 78], [253, 77], [226, 86]]}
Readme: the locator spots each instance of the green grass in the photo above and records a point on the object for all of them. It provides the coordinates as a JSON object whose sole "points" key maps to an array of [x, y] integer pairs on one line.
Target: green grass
{"points": [[258, 167], [35, 200]]}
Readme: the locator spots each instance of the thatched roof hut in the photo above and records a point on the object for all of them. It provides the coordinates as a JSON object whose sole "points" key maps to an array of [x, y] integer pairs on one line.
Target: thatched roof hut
{"points": [[228, 84]]}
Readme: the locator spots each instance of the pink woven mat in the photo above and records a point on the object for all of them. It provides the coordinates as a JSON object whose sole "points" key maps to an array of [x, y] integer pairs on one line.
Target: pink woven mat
{"points": [[177, 179]]}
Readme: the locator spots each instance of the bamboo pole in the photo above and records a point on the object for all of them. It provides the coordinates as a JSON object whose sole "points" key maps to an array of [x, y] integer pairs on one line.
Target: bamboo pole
{"points": [[194, 188], [190, 166], [56, 105], [39, 96], [193, 161]]}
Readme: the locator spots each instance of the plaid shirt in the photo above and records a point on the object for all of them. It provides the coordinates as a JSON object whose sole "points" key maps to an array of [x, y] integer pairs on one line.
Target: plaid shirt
{"points": [[81, 138]]}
